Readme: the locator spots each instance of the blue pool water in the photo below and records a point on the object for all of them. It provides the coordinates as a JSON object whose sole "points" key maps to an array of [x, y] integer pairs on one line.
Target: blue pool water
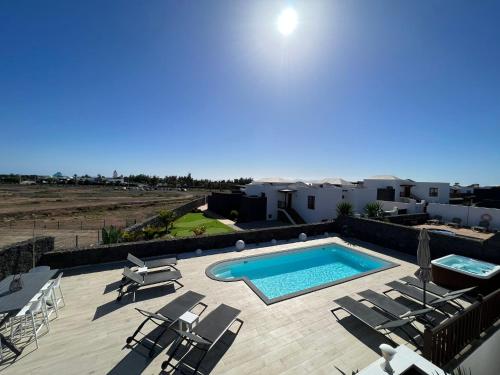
{"points": [[467, 265], [290, 272]]}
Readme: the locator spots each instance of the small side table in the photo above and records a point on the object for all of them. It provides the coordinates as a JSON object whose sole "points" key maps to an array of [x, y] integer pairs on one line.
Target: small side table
{"points": [[189, 320]]}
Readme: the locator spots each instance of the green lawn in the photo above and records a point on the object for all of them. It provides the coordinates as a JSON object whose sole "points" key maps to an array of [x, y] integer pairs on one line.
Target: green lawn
{"points": [[183, 226]]}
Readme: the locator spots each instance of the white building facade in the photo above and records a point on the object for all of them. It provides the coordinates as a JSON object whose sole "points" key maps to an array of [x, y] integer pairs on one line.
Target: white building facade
{"points": [[317, 201], [391, 188]]}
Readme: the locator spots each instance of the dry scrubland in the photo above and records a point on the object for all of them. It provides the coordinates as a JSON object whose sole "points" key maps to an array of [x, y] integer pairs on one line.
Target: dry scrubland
{"points": [[69, 211]]}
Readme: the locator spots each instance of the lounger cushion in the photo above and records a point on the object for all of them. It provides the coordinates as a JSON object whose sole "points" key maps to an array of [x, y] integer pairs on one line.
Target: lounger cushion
{"points": [[384, 302], [156, 263], [216, 322], [412, 292], [362, 312], [131, 275], [433, 288], [160, 277], [138, 262], [174, 309]]}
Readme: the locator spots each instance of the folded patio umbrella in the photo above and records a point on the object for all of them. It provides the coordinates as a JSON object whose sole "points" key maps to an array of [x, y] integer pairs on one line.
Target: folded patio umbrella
{"points": [[424, 259]]}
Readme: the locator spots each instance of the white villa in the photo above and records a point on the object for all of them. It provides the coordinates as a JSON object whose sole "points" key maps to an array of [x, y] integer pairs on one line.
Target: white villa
{"points": [[316, 201]]}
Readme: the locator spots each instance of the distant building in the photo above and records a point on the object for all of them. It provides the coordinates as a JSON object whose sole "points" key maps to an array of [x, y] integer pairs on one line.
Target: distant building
{"points": [[317, 200], [28, 182], [487, 196], [392, 188], [115, 174]]}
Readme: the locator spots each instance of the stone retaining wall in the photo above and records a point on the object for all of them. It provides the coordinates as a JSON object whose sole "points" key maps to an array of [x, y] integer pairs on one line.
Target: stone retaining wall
{"points": [[393, 236], [405, 239], [117, 252], [408, 219], [18, 257]]}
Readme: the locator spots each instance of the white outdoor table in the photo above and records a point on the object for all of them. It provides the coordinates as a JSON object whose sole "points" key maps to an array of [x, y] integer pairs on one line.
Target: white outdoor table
{"points": [[189, 320], [402, 361], [12, 302]]}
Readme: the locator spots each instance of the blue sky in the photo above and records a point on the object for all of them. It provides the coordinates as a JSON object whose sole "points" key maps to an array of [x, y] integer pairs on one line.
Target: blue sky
{"points": [[410, 88]]}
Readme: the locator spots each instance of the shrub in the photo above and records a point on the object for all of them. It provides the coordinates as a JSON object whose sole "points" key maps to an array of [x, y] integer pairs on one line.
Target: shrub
{"points": [[111, 235], [151, 232], [374, 209], [234, 215], [131, 236], [344, 209], [199, 230], [167, 218]]}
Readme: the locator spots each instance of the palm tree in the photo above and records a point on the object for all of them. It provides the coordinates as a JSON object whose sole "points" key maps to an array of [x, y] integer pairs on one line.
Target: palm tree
{"points": [[374, 209], [344, 209]]}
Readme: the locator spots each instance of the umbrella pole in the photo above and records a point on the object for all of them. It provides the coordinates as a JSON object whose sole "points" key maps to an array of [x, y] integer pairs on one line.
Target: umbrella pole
{"points": [[424, 294]]}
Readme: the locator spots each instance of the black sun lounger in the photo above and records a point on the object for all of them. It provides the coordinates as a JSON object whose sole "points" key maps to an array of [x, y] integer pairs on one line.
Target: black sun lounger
{"points": [[395, 308], [134, 280], [436, 289], [372, 318], [430, 299], [153, 263], [168, 315], [206, 333]]}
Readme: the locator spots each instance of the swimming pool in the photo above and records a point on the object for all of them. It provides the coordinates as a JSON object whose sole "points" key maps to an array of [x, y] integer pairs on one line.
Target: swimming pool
{"points": [[286, 274]]}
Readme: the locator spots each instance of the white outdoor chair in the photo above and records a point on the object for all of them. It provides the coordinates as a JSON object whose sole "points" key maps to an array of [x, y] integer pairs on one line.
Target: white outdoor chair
{"points": [[33, 316], [56, 286]]}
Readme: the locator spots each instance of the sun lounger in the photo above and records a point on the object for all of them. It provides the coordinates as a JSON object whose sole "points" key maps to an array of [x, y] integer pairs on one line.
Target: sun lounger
{"points": [[153, 263], [456, 222], [134, 280], [168, 315], [372, 318], [395, 308], [206, 333], [430, 299], [436, 289], [483, 226], [436, 220]]}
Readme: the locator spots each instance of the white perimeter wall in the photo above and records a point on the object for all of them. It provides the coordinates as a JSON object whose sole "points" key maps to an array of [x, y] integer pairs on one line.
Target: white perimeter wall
{"points": [[412, 208], [470, 216]]}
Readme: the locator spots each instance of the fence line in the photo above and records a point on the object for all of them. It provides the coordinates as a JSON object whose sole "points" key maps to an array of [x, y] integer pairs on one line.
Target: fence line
{"points": [[444, 342], [69, 224]]}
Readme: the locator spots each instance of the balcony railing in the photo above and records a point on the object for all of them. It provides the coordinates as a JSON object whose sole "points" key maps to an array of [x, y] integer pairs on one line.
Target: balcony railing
{"points": [[444, 342]]}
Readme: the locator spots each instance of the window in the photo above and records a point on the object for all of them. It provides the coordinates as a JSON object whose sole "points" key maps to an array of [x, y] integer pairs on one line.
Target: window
{"points": [[311, 202], [433, 192]]}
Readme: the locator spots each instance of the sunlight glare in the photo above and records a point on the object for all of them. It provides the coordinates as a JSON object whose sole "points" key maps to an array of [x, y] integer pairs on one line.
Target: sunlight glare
{"points": [[287, 21]]}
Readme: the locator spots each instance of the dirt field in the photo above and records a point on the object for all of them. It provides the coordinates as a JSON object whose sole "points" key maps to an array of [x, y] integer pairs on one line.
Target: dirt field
{"points": [[69, 211]]}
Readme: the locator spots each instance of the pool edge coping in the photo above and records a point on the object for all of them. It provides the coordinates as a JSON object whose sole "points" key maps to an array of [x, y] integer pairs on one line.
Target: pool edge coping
{"points": [[271, 301]]}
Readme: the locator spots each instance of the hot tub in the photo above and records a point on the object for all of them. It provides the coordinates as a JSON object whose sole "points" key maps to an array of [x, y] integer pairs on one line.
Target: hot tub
{"points": [[458, 272]]}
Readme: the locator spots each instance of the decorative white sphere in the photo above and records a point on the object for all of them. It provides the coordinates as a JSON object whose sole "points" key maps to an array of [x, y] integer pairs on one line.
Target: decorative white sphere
{"points": [[273, 241], [199, 252], [240, 245], [302, 236]]}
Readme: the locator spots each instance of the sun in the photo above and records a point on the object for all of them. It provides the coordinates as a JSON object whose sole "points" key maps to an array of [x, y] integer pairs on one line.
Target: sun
{"points": [[287, 21]]}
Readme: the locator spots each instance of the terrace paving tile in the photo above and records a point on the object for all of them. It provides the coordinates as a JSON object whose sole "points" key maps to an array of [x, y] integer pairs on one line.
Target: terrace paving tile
{"points": [[295, 336]]}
